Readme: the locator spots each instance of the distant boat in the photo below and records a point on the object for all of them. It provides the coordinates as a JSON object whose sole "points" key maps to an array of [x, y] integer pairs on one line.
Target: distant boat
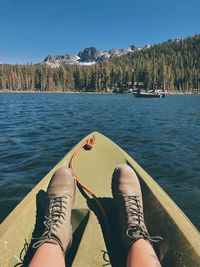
{"points": [[149, 94]]}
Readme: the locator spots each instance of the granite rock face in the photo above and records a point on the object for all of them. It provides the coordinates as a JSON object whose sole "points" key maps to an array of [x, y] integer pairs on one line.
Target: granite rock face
{"points": [[89, 56]]}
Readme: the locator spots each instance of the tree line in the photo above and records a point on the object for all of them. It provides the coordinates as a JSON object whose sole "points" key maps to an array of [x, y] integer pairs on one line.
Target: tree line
{"points": [[172, 65]]}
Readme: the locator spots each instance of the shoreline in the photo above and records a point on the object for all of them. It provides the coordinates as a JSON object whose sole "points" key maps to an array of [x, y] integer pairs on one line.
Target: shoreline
{"points": [[52, 92], [90, 92]]}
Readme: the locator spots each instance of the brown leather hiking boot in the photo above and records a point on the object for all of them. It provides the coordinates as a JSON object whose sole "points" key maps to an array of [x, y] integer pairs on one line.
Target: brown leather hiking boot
{"points": [[60, 199], [128, 197]]}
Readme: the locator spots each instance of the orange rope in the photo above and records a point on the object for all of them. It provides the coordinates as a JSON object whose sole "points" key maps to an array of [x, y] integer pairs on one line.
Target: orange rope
{"points": [[88, 144]]}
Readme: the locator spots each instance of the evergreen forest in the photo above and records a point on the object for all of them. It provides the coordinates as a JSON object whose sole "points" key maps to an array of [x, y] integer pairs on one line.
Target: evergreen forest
{"points": [[171, 66]]}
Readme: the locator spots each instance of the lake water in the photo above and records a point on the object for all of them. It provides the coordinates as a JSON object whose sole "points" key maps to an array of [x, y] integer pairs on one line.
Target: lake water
{"points": [[163, 135]]}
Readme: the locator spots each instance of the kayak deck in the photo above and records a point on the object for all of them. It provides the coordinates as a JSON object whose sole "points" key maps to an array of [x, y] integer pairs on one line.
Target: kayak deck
{"points": [[94, 242]]}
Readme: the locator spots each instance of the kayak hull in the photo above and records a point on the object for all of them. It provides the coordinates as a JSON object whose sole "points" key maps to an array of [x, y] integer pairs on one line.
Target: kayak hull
{"points": [[93, 237]]}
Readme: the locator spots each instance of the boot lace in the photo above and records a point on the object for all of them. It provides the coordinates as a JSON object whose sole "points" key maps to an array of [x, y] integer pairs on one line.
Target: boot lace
{"points": [[136, 227], [56, 212]]}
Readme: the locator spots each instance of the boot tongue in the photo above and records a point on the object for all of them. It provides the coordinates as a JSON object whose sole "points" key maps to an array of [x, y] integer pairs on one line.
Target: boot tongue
{"points": [[55, 208], [134, 210], [55, 212]]}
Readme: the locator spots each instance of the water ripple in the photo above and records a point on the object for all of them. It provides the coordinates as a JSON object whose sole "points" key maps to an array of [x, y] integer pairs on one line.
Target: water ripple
{"points": [[163, 135]]}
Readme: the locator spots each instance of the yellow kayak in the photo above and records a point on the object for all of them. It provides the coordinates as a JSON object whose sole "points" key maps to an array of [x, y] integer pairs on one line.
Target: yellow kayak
{"points": [[95, 239]]}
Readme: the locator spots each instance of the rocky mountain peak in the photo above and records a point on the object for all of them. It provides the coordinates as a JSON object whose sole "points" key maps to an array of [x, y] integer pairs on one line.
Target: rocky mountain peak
{"points": [[88, 56]]}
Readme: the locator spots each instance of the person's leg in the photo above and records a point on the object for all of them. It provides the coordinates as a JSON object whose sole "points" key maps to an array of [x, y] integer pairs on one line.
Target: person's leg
{"points": [[48, 255], [133, 232], [57, 236], [142, 254]]}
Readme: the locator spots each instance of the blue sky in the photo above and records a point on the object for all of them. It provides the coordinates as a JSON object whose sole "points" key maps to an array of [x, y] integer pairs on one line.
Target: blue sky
{"points": [[32, 29]]}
